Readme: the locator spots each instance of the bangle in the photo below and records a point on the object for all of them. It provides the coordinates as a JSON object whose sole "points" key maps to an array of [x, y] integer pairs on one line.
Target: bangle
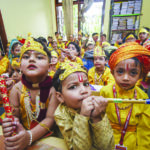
{"points": [[30, 133]]}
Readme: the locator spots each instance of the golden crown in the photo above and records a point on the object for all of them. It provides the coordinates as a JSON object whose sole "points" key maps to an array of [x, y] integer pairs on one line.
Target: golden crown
{"points": [[30, 44], [98, 51], [70, 67]]}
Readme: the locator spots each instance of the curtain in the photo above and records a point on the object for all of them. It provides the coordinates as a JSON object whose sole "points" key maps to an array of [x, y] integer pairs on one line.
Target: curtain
{"points": [[68, 16], [87, 4]]}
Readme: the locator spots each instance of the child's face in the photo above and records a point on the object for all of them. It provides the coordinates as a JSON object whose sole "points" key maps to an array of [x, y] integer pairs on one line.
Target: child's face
{"points": [[99, 62], [54, 60], [34, 64], [90, 47], [71, 38], [143, 36], [127, 73], [73, 49], [50, 39], [95, 38], [75, 88], [79, 37], [16, 74], [131, 39], [17, 50], [54, 44]]}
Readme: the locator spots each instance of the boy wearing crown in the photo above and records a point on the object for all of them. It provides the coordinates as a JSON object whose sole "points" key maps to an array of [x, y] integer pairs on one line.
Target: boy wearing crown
{"points": [[100, 74]]}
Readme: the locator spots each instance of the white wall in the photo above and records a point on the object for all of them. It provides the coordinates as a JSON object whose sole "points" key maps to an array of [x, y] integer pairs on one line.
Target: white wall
{"points": [[23, 16]]}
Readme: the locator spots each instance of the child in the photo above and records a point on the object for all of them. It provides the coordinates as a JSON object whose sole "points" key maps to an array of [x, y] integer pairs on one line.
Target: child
{"points": [[60, 43], [95, 39], [54, 65], [4, 63], [32, 98], [88, 55], [100, 74], [50, 41], [143, 35], [79, 116], [73, 53], [128, 64], [15, 50]]}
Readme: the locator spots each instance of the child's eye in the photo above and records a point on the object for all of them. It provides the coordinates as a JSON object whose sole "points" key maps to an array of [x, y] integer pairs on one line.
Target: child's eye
{"points": [[72, 87], [86, 84], [25, 56], [120, 71], [133, 73], [40, 57]]}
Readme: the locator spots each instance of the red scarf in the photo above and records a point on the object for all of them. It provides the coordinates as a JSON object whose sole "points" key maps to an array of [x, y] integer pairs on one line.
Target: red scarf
{"points": [[44, 93]]}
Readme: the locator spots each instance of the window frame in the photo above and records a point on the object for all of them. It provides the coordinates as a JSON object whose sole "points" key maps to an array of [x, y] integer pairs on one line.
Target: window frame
{"points": [[79, 2]]}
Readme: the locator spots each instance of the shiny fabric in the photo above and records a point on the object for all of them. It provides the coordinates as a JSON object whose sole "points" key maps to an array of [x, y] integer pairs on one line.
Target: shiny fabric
{"points": [[105, 79], [140, 117], [129, 50], [77, 60], [4, 63], [22, 108], [80, 134]]}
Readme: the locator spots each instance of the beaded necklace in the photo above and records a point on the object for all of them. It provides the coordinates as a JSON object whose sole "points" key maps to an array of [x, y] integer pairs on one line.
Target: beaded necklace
{"points": [[98, 79], [31, 115]]}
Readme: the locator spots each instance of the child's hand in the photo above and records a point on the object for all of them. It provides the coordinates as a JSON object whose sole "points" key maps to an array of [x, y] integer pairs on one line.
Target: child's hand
{"points": [[9, 83], [9, 126], [100, 104], [87, 107], [19, 141]]}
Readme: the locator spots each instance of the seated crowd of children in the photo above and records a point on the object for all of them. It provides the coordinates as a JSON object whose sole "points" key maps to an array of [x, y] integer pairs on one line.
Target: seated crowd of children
{"points": [[51, 91]]}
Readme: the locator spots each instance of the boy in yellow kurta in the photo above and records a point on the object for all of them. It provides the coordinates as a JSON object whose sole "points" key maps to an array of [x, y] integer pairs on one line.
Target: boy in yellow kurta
{"points": [[31, 98], [79, 116], [100, 74], [130, 122], [72, 53], [54, 64]]}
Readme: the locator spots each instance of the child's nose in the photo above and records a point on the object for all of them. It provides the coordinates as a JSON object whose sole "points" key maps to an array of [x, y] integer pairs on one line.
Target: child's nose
{"points": [[126, 76], [83, 89]]}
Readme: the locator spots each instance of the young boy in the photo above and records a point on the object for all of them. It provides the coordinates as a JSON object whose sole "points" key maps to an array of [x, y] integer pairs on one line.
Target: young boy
{"points": [[54, 65], [100, 74], [143, 35], [80, 116], [130, 122], [31, 98]]}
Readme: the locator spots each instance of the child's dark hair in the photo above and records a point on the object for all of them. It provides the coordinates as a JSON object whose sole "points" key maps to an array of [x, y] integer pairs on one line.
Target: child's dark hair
{"points": [[42, 39], [15, 45], [57, 83], [103, 35], [44, 48], [76, 46], [94, 34]]}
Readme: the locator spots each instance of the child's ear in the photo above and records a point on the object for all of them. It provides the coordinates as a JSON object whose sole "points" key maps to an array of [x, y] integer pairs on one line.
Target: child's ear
{"points": [[60, 97]]}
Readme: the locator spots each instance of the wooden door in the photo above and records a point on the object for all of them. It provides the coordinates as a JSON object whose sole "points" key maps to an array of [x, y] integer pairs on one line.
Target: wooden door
{"points": [[3, 35]]}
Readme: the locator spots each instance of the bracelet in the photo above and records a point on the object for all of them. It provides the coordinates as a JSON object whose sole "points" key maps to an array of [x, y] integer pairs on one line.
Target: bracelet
{"points": [[30, 133]]}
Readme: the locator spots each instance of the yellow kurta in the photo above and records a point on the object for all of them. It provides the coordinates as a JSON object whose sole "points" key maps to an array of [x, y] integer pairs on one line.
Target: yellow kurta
{"points": [[79, 134], [61, 45], [104, 79], [24, 119], [77, 60], [138, 136], [4, 63]]}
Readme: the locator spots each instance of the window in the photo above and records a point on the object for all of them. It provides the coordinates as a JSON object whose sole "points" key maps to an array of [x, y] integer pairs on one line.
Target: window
{"points": [[93, 17]]}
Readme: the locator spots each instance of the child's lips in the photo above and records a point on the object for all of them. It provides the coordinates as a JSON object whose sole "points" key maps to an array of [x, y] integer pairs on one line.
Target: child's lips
{"points": [[125, 84], [32, 67]]}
